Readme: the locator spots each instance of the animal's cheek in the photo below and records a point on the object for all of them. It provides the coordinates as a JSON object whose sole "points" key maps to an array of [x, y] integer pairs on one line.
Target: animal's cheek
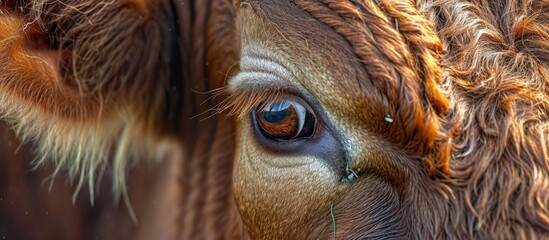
{"points": [[277, 192]]}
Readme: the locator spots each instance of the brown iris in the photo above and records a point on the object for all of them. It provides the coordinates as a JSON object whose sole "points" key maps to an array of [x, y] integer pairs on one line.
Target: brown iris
{"points": [[285, 120]]}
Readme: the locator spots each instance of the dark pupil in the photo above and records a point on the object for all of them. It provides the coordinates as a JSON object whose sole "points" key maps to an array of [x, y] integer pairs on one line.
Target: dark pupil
{"points": [[275, 114], [285, 120]]}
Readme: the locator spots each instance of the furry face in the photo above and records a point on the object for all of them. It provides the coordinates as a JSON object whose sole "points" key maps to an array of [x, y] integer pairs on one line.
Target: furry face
{"points": [[347, 119], [418, 133]]}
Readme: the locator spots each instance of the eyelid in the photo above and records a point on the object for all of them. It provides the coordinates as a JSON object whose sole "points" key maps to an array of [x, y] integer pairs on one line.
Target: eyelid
{"points": [[246, 95]]}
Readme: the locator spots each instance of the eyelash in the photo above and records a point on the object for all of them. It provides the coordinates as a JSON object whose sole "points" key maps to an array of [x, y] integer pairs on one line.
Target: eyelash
{"points": [[241, 102]]}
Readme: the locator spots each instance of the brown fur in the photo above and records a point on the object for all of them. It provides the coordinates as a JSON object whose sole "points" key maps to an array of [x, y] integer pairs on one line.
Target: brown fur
{"points": [[94, 84], [76, 88], [130, 62], [468, 101], [497, 60]]}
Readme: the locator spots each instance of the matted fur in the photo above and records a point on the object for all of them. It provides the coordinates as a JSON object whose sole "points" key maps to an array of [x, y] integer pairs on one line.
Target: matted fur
{"points": [[497, 63]]}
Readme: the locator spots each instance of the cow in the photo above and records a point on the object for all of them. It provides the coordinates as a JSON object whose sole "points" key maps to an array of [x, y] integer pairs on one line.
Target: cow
{"points": [[270, 119]]}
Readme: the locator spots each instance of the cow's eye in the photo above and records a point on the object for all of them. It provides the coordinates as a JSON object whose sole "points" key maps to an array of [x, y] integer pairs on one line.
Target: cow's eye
{"points": [[285, 120]]}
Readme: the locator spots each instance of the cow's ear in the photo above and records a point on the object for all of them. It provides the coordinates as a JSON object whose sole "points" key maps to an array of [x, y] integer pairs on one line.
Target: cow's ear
{"points": [[83, 95]]}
